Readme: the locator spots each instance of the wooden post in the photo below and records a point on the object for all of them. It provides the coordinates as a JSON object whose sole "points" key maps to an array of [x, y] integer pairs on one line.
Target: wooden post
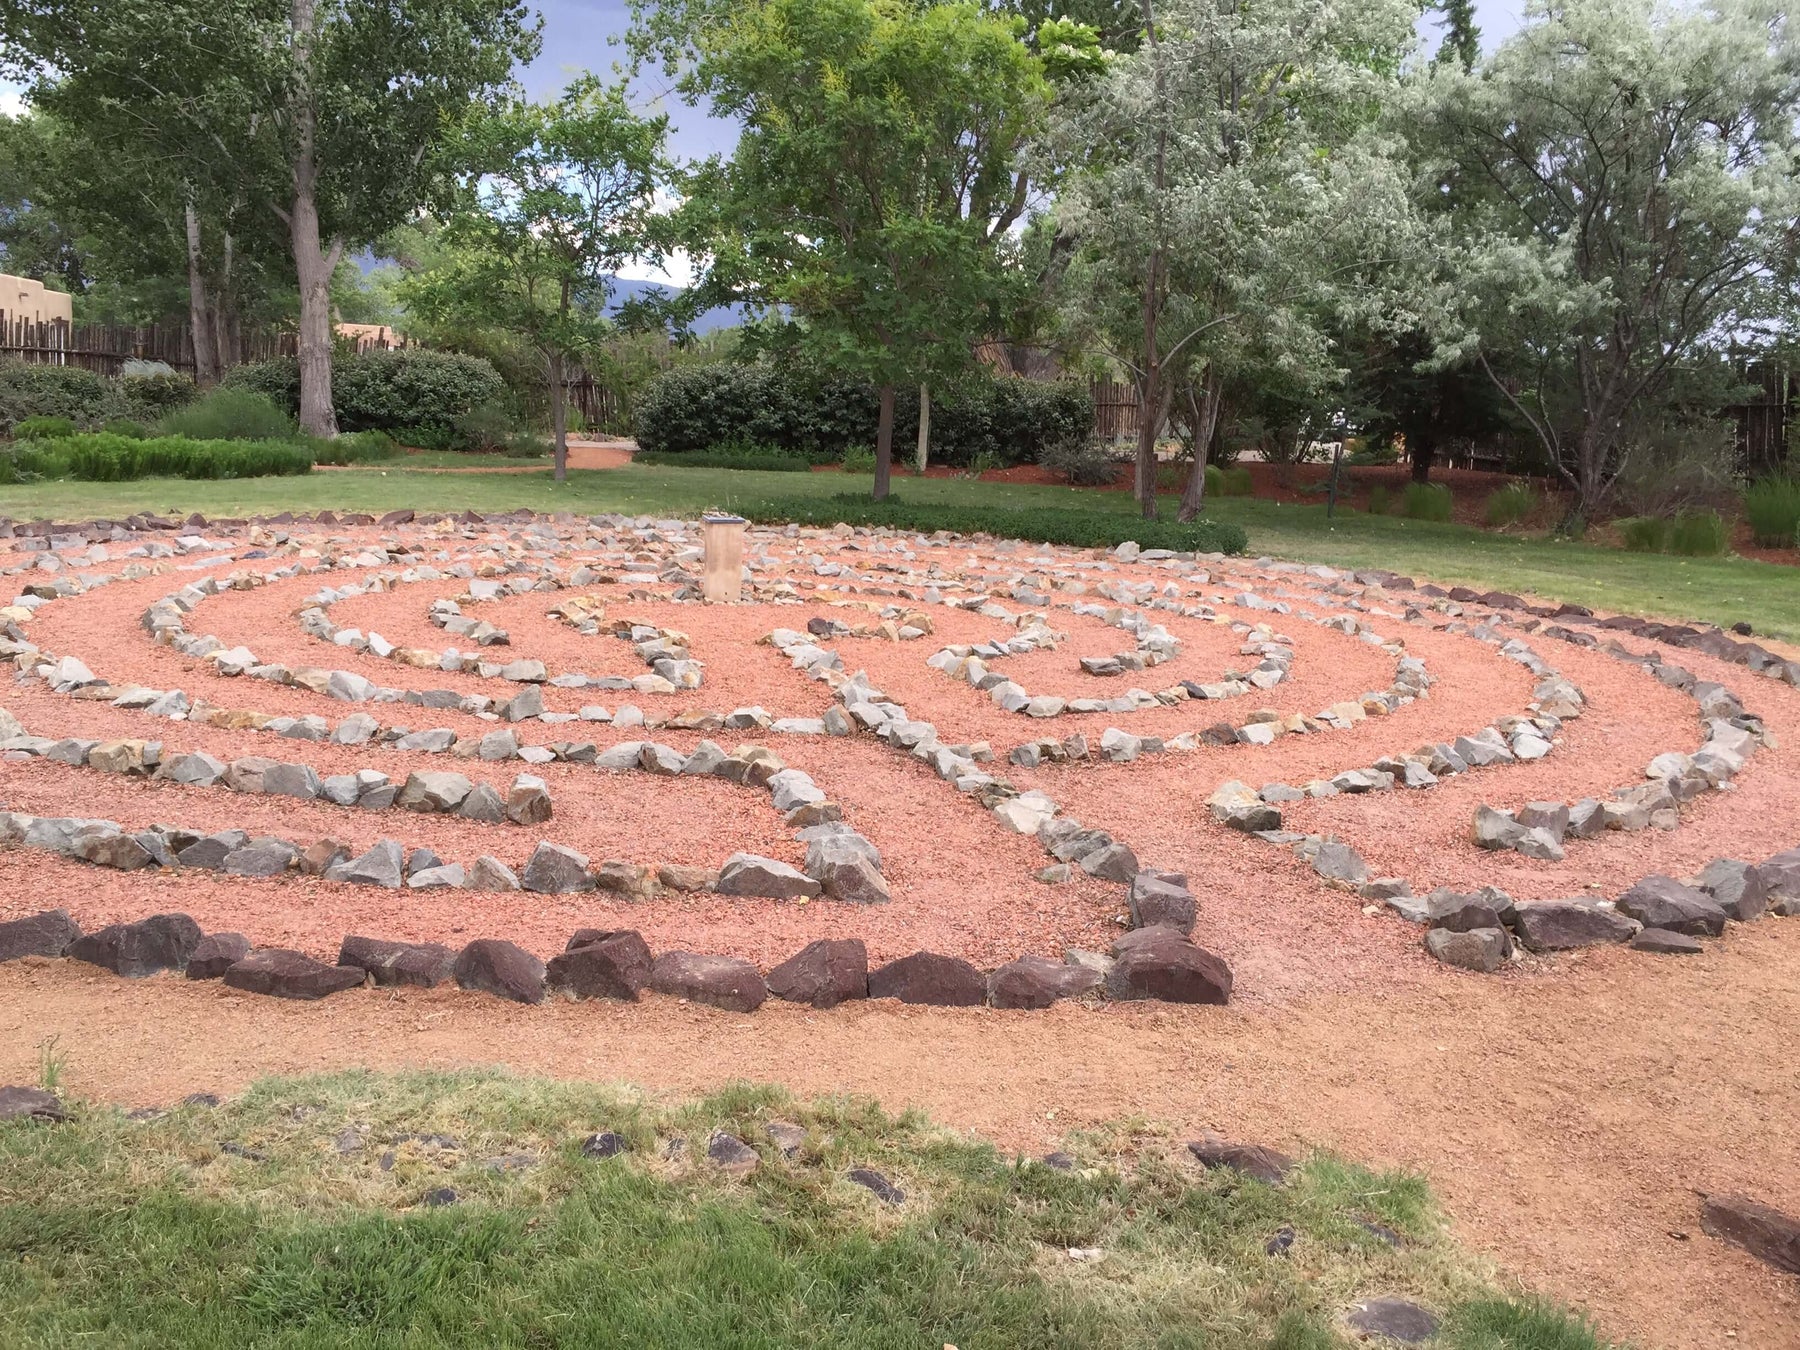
{"points": [[722, 538]]}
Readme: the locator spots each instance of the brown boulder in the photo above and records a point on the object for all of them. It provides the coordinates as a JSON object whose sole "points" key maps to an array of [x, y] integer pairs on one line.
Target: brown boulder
{"points": [[1765, 1233], [495, 966], [1037, 982], [48, 934], [160, 942], [823, 973], [601, 964], [1160, 963], [1253, 1160], [424, 965], [927, 977], [216, 954]]}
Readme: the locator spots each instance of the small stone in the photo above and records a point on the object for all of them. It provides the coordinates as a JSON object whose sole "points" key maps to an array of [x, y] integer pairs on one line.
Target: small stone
{"points": [[555, 870], [606, 1144], [1767, 1234], [134, 950], [215, 954], [730, 1154], [749, 874], [29, 1103], [424, 965], [1666, 943], [601, 964], [1394, 1318], [1662, 902], [877, 1185], [1037, 982], [1253, 1160], [1478, 949]]}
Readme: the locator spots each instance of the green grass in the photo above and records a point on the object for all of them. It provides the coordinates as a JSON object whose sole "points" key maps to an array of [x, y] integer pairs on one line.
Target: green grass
{"points": [[1772, 506], [1718, 590], [1510, 504], [151, 1234]]}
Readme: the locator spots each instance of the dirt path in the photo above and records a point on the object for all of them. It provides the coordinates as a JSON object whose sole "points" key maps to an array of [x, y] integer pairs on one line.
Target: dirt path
{"points": [[1567, 1119], [582, 455]]}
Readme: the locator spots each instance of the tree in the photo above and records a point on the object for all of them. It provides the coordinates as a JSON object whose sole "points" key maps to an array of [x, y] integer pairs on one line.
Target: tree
{"points": [[1462, 39], [562, 196], [1625, 178], [331, 113], [1230, 192], [876, 180]]}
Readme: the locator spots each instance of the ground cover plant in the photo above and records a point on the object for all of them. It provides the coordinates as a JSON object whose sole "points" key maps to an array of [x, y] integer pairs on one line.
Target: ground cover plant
{"points": [[298, 1214]]}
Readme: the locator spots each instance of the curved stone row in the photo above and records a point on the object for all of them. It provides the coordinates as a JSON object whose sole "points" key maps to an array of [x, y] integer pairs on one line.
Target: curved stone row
{"points": [[1156, 962]]}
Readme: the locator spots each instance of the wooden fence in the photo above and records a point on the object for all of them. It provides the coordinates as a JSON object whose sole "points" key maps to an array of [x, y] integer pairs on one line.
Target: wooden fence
{"points": [[1115, 410], [1762, 422], [106, 347]]}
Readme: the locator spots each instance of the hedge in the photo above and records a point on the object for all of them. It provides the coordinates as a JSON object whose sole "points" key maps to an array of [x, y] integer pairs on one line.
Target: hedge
{"points": [[1046, 525], [29, 390], [1004, 419], [103, 457], [768, 461], [386, 390]]}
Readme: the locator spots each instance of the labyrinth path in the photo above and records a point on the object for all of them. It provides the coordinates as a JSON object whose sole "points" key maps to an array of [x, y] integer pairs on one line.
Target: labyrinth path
{"points": [[521, 755]]}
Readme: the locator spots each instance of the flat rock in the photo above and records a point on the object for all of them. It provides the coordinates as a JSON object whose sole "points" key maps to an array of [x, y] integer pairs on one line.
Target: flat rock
{"points": [[1037, 982], [1666, 943], [495, 966], [29, 1103], [282, 973], [555, 870], [1267, 1165], [383, 865], [1564, 925], [824, 973], [728, 1153], [423, 965], [1765, 1233], [930, 978], [749, 874], [1662, 902], [720, 981], [1394, 1318]]}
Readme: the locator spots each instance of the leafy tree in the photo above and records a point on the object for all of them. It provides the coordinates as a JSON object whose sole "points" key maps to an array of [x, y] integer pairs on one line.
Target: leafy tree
{"points": [[877, 178], [1231, 193], [1625, 177], [563, 195], [1462, 39], [331, 113]]}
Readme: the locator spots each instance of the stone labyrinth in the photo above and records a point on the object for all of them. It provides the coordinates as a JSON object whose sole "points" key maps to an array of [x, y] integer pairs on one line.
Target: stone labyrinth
{"points": [[521, 756]]}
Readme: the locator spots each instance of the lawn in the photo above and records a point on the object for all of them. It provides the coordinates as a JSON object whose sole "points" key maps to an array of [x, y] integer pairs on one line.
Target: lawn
{"points": [[1721, 590], [296, 1215]]}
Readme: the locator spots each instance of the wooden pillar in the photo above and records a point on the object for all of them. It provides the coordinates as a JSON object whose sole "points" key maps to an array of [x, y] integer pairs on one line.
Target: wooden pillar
{"points": [[722, 538]]}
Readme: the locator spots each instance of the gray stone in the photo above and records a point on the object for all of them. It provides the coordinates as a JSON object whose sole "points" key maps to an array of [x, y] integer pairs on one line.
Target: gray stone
{"points": [[484, 804], [1736, 887], [718, 981], [1339, 863], [1564, 925], [1394, 1318], [47, 934], [1666, 943], [555, 870], [490, 874], [1480, 949], [1157, 898], [1662, 902], [749, 874], [383, 865], [433, 792]]}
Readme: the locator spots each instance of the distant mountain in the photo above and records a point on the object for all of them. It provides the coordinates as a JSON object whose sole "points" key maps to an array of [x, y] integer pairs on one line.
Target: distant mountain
{"points": [[721, 316]]}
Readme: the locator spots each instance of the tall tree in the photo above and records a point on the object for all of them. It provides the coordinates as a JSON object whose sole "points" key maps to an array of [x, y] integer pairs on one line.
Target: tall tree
{"points": [[1231, 192], [876, 180], [561, 197], [1628, 192], [1461, 43], [331, 113]]}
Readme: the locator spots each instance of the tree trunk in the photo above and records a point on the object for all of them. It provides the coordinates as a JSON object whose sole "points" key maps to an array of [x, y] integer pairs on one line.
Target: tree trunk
{"points": [[924, 454], [313, 264], [1154, 401], [559, 415], [224, 335], [1206, 423], [206, 359], [884, 443], [1421, 450]]}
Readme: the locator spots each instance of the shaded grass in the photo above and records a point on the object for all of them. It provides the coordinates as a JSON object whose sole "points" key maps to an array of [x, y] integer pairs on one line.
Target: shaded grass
{"points": [[151, 1233], [1717, 590]]}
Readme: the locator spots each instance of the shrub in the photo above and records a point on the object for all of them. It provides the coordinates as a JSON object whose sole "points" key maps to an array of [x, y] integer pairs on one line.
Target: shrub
{"points": [[859, 459], [1235, 482], [99, 457], [1010, 419], [149, 397], [43, 428], [1672, 466], [229, 415], [1367, 455], [1644, 534], [486, 427], [30, 462], [1075, 528], [354, 447], [1380, 500], [766, 461], [1699, 534], [126, 426], [1772, 506], [1426, 501], [1081, 460], [1215, 481], [31, 390], [408, 387], [1510, 504]]}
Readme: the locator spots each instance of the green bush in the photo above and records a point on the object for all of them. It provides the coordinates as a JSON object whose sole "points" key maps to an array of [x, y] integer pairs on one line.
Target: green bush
{"points": [[227, 414], [1380, 500], [43, 428], [1215, 481], [1510, 504], [766, 461], [1009, 419], [1083, 461], [1371, 456], [1699, 534], [408, 388], [31, 462], [30, 390], [1426, 501], [149, 397], [1236, 482], [100, 457], [859, 459], [1772, 506], [126, 426], [1644, 534], [353, 447], [1048, 525]]}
